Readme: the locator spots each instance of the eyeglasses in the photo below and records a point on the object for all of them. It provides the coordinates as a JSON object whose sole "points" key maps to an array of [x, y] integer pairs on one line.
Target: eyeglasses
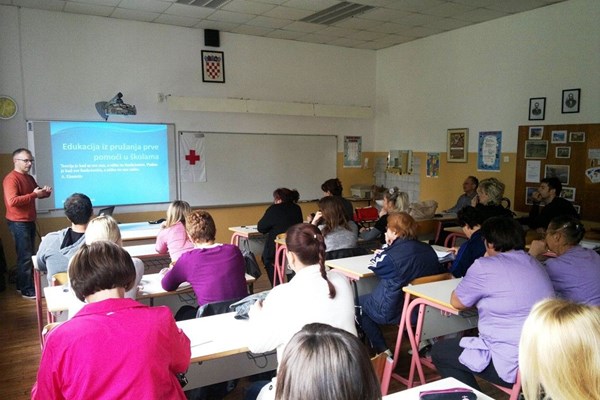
{"points": [[26, 161]]}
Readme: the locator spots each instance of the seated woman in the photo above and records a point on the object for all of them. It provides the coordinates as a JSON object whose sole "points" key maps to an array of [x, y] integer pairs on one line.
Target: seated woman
{"points": [[330, 219], [559, 352], [470, 221], [403, 259], [283, 213], [215, 271], [333, 187], [173, 238], [503, 286], [575, 272], [105, 228], [325, 363], [314, 295], [114, 348], [393, 201], [489, 196]]}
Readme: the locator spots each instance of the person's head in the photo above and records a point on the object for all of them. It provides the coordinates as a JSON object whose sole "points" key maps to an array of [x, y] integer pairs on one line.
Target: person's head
{"points": [[321, 362], [200, 227], [103, 227], [99, 266], [490, 191], [23, 160], [550, 188], [503, 234], [470, 184], [395, 200], [560, 351], [564, 230], [285, 195], [176, 212], [332, 187], [332, 209], [401, 224], [78, 208], [470, 217], [307, 245]]}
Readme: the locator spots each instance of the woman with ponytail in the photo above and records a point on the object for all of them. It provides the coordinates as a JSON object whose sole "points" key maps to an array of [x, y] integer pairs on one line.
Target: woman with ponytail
{"points": [[314, 295]]}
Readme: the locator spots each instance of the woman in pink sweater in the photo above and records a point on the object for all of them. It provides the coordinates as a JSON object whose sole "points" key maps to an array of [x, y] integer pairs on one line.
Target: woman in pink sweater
{"points": [[173, 238]]}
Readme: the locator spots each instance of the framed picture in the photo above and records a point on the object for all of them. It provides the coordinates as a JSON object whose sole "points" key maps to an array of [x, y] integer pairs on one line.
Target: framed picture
{"points": [[458, 144], [563, 152], [570, 101], [537, 108], [577, 137], [213, 66], [536, 132], [559, 137], [568, 193], [559, 171], [536, 149], [529, 191]]}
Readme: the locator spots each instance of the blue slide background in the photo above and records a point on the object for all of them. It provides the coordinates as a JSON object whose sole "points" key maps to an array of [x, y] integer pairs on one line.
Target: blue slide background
{"points": [[110, 181]]}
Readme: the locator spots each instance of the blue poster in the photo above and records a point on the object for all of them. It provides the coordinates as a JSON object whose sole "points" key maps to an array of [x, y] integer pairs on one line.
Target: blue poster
{"points": [[489, 149]]}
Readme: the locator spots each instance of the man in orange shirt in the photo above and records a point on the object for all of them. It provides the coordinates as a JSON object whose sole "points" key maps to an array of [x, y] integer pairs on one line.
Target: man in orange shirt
{"points": [[20, 192]]}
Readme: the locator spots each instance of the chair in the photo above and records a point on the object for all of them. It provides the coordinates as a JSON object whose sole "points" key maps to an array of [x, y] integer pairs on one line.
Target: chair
{"points": [[366, 216], [37, 283], [514, 391], [280, 261], [60, 278], [429, 230], [452, 238], [47, 329], [403, 323], [345, 253], [505, 202], [382, 364]]}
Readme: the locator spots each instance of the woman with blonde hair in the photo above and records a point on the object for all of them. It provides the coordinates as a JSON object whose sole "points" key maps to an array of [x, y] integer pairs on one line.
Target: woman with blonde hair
{"points": [[559, 351], [489, 196], [173, 238], [393, 201], [325, 363], [401, 260]]}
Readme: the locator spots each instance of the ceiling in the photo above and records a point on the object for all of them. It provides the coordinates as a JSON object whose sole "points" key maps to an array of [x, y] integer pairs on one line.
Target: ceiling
{"points": [[378, 24]]}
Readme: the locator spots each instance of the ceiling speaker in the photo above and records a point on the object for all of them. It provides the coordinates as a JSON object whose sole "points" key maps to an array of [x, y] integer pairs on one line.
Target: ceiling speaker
{"points": [[211, 38]]}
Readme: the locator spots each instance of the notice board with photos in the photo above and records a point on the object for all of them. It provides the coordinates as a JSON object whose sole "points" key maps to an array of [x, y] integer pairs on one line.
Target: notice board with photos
{"points": [[569, 152]]}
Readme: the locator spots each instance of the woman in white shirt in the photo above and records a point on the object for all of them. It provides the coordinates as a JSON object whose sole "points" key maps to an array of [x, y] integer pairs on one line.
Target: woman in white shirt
{"points": [[314, 295]]}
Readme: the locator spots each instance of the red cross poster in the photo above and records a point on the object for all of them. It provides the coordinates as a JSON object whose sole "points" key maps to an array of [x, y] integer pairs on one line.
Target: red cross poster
{"points": [[192, 166]]}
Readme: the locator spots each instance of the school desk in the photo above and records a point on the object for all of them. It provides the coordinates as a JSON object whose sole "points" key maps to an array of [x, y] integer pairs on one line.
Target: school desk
{"points": [[58, 298], [244, 232], [134, 233], [446, 383], [220, 351], [436, 317]]}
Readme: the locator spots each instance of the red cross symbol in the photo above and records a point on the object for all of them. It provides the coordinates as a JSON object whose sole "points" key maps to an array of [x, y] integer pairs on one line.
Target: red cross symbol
{"points": [[192, 157]]}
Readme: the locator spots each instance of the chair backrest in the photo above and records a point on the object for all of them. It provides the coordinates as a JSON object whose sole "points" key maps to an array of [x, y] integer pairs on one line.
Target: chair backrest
{"points": [[505, 202], [366, 216], [216, 308], [383, 364], [60, 278], [432, 278], [514, 390], [47, 329], [344, 253], [429, 230], [452, 238]]}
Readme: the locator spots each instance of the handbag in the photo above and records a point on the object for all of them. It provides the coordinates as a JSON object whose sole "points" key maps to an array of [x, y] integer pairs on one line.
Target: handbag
{"points": [[448, 394], [252, 267]]}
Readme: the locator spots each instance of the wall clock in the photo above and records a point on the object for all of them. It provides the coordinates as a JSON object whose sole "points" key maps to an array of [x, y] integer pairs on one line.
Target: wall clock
{"points": [[8, 107]]}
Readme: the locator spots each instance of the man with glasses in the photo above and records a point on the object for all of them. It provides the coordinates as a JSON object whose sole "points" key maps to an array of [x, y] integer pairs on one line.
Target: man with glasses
{"points": [[20, 192]]}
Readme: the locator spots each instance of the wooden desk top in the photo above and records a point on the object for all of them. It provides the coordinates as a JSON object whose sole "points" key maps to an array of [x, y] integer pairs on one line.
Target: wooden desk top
{"points": [[215, 336], [436, 292], [447, 383], [248, 231], [454, 229]]}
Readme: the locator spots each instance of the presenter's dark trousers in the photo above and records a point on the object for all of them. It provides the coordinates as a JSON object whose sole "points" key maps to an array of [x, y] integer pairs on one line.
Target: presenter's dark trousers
{"points": [[444, 355], [23, 234]]}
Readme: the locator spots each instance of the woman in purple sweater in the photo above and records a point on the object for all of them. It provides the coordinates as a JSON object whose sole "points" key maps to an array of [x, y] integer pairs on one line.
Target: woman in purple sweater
{"points": [[215, 271]]}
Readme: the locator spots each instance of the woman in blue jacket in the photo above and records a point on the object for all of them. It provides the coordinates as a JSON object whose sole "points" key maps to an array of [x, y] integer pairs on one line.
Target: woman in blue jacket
{"points": [[403, 259]]}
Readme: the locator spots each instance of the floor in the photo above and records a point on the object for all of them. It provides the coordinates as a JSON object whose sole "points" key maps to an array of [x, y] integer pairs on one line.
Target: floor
{"points": [[21, 352]]}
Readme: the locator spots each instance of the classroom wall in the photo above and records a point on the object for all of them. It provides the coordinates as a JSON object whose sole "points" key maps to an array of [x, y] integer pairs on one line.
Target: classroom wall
{"points": [[482, 77]]}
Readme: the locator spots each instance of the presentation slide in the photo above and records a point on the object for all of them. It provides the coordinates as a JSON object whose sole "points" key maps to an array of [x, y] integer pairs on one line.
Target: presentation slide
{"points": [[112, 163]]}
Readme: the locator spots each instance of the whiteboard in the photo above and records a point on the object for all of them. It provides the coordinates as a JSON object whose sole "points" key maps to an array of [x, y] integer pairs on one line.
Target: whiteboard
{"points": [[245, 168]]}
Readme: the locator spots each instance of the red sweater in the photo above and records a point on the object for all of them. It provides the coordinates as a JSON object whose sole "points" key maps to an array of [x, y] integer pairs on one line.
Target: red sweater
{"points": [[19, 197]]}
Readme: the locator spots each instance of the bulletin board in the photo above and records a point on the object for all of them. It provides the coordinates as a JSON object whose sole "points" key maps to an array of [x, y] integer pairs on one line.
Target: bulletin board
{"points": [[572, 153]]}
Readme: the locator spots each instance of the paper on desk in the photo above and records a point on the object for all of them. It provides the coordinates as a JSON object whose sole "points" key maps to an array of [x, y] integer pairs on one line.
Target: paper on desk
{"points": [[443, 254]]}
